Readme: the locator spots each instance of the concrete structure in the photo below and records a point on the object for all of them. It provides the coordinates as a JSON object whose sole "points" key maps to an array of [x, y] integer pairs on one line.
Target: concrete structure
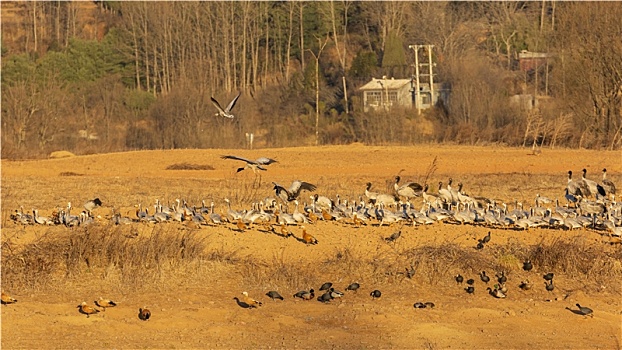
{"points": [[390, 93]]}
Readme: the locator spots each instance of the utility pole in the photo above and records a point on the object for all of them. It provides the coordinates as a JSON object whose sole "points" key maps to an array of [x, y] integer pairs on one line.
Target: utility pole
{"points": [[419, 75]]}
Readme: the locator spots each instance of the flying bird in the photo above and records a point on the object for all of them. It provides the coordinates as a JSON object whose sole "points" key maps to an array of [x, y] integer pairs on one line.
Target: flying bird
{"points": [[254, 165], [227, 111], [290, 195]]}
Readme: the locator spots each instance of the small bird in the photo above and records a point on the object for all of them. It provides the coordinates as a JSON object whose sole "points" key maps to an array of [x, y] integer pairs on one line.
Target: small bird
{"points": [[585, 311], [470, 281], [325, 298], [459, 278], [527, 265], [92, 204], [470, 289], [419, 305], [305, 295], [274, 295], [375, 294], [144, 313], [486, 238], [104, 303], [394, 236], [227, 111], [479, 246], [87, 309], [483, 277], [525, 285], [549, 286], [549, 276], [307, 237], [496, 293], [429, 304], [252, 303], [501, 278], [326, 286], [7, 299], [254, 165], [353, 286]]}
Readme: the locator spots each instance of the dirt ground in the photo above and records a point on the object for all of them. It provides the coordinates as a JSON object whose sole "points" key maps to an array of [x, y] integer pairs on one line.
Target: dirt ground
{"points": [[201, 312]]}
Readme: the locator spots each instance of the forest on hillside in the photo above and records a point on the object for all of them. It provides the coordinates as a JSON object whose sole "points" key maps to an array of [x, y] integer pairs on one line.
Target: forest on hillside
{"points": [[145, 82]]}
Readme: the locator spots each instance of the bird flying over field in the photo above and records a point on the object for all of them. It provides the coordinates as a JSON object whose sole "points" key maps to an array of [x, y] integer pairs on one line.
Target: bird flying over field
{"points": [[227, 111], [254, 165], [290, 195]]}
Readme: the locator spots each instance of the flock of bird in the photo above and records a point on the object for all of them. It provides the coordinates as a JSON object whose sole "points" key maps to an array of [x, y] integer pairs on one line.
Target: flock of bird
{"points": [[587, 204]]}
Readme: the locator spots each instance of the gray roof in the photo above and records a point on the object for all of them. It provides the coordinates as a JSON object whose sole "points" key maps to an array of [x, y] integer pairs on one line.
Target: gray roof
{"points": [[389, 84]]}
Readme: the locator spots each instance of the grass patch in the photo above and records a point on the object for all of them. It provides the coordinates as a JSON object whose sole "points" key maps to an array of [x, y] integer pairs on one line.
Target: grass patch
{"points": [[69, 173], [189, 166]]}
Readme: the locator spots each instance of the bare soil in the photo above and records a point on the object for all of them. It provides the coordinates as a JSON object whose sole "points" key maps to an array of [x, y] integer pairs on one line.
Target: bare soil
{"points": [[193, 307]]}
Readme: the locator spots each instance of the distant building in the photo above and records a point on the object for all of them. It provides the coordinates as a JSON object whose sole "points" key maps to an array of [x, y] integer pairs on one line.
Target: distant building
{"points": [[387, 93], [530, 61]]}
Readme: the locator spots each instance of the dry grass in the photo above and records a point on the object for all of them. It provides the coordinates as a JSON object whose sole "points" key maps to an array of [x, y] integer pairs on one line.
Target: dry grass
{"points": [[189, 166]]}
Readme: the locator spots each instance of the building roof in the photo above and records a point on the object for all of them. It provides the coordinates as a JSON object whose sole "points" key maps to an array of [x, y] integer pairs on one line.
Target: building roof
{"points": [[389, 84]]}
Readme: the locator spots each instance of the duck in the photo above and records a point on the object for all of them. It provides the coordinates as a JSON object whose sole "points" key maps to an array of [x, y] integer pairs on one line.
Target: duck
{"points": [[253, 165], [479, 246], [483, 277], [7, 299], [87, 309], [585, 311], [501, 278], [104, 303], [325, 298], [429, 304], [335, 293], [226, 113], [307, 237], [375, 294], [394, 236], [144, 313], [527, 265], [525, 285], [274, 295], [419, 305], [252, 303], [459, 279], [353, 286], [486, 238], [470, 281], [470, 289], [305, 295]]}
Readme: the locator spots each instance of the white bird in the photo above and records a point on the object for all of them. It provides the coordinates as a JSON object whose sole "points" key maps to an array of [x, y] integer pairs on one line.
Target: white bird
{"points": [[227, 111], [254, 165]]}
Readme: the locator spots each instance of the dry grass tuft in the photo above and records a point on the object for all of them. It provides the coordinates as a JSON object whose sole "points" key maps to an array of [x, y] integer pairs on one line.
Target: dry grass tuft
{"points": [[189, 166], [69, 173]]}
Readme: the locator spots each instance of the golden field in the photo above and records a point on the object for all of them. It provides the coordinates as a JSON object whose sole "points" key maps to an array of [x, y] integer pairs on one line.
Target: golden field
{"points": [[191, 298]]}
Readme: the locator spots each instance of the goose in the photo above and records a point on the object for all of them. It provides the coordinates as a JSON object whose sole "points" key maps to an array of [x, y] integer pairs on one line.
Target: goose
{"points": [[607, 184], [289, 195], [87, 309], [593, 188], [232, 215], [7, 299], [41, 220], [254, 165], [305, 295], [227, 111], [298, 216], [496, 293], [144, 313], [214, 216], [325, 298], [334, 294], [104, 303], [274, 295], [408, 190]]}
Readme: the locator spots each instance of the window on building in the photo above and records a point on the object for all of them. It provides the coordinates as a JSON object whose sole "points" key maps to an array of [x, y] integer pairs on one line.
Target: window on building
{"points": [[373, 97], [425, 99]]}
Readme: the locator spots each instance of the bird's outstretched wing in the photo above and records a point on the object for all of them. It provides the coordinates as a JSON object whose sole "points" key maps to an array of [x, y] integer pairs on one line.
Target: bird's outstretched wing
{"points": [[232, 103], [217, 105], [415, 186], [238, 158], [265, 161], [298, 186]]}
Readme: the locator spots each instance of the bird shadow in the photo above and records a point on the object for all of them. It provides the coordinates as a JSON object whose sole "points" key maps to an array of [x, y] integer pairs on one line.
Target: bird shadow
{"points": [[242, 304]]}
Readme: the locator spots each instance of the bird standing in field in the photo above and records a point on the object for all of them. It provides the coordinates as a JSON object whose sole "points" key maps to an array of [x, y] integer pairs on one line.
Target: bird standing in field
{"points": [[274, 295], [305, 295], [353, 286], [326, 286], [104, 303], [254, 165], [144, 313], [459, 279], [394, 236], [375, 294], [292, 193], [7, 299], [484, 277], [250, 301], [408, 190], [585, 311], [307, 237], [227, 111], [87, 309], [527, 265], [92, 204]]}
